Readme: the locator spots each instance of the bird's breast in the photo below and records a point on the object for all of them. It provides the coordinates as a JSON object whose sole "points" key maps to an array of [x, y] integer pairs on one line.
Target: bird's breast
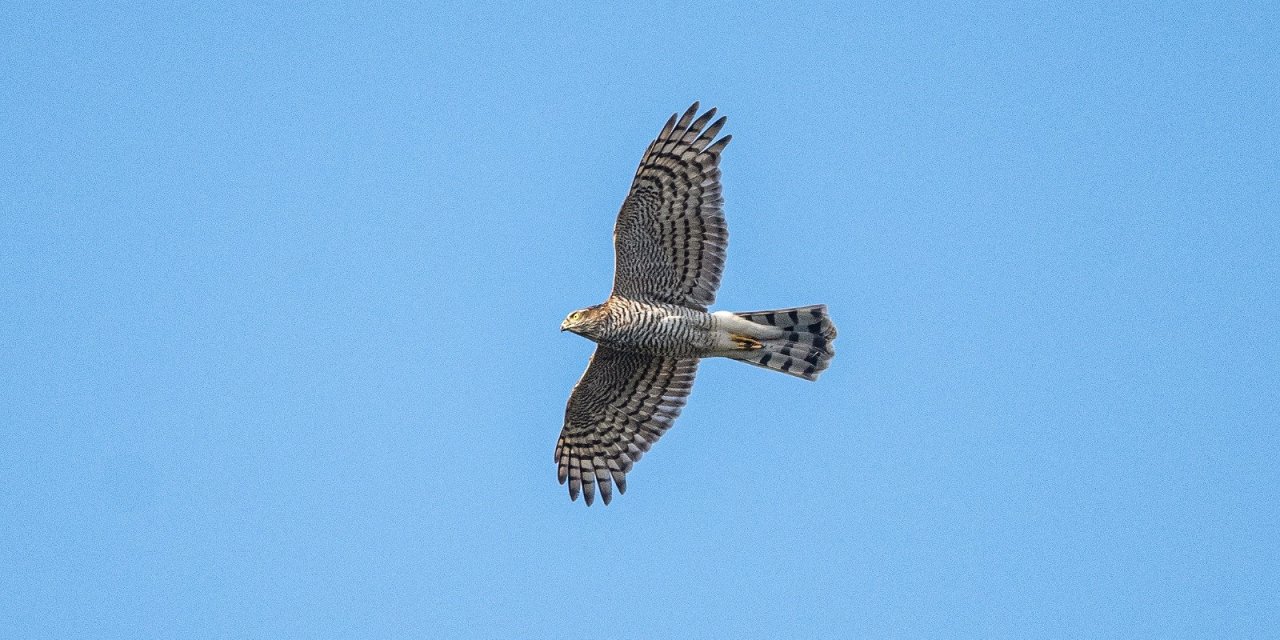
{"points": [[660, 330]]}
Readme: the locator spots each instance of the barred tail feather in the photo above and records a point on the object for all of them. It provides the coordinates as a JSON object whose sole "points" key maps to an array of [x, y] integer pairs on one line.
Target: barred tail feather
{"points": [[804, 350]]}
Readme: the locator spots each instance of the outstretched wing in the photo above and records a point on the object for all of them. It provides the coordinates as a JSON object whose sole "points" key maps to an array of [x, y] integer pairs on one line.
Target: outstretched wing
{"points": [[670, 238], [621, 406]]}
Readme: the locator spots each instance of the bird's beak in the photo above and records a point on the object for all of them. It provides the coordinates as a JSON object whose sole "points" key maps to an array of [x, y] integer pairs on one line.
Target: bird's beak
{"points": [[562, 325]]}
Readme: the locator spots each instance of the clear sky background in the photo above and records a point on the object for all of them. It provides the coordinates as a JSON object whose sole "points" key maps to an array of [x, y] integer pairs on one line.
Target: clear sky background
{"points": [[281, 290]]}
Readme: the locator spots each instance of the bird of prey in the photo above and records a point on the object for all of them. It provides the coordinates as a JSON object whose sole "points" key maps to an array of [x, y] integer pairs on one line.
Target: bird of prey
{"points": [[669, 247]]}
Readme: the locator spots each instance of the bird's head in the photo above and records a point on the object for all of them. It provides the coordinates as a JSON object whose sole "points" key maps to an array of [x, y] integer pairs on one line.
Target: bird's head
{"points": [[582, 321]]}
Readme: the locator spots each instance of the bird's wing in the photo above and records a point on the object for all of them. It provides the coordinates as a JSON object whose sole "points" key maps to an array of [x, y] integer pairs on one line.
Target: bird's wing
{"points": [[621, 406], [670, 238]]}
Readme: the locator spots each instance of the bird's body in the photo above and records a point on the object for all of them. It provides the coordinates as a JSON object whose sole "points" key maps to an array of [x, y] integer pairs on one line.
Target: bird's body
{"points": [[663, 329], [653, 328], [670, 243]]}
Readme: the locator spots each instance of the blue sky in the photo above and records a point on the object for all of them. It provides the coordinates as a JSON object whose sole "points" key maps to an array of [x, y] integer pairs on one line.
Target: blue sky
{"points": [[282, 290]]}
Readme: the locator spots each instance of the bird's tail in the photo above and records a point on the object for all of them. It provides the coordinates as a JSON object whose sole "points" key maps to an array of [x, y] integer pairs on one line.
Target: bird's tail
{"points": [[804, 347]]}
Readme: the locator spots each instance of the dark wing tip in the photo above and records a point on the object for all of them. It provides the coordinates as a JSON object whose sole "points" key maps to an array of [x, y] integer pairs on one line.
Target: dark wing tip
{"points": [[703, 120], [687, 118], [718, 146], [666, 129]]}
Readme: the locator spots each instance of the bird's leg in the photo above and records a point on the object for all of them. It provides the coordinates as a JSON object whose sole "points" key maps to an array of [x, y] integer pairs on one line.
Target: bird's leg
{"points": [[746, 343]]}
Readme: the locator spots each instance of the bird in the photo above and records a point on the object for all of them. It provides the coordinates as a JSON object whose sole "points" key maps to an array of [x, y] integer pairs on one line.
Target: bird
{"points": [[669, 253]]}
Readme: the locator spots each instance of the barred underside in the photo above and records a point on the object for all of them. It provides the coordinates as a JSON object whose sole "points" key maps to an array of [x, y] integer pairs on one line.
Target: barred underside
{"points": [[654, 328]]}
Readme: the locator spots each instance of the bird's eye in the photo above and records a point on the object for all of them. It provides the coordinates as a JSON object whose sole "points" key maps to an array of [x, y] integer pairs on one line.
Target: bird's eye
{"points": [[575, 315]]}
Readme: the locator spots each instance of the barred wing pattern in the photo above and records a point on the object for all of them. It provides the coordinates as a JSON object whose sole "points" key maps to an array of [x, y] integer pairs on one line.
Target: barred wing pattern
{"points": [[670, 237], [621, 406]]}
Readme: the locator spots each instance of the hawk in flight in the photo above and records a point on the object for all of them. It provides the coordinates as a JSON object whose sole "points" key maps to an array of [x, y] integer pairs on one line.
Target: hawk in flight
{"points": [[669, 245]]}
